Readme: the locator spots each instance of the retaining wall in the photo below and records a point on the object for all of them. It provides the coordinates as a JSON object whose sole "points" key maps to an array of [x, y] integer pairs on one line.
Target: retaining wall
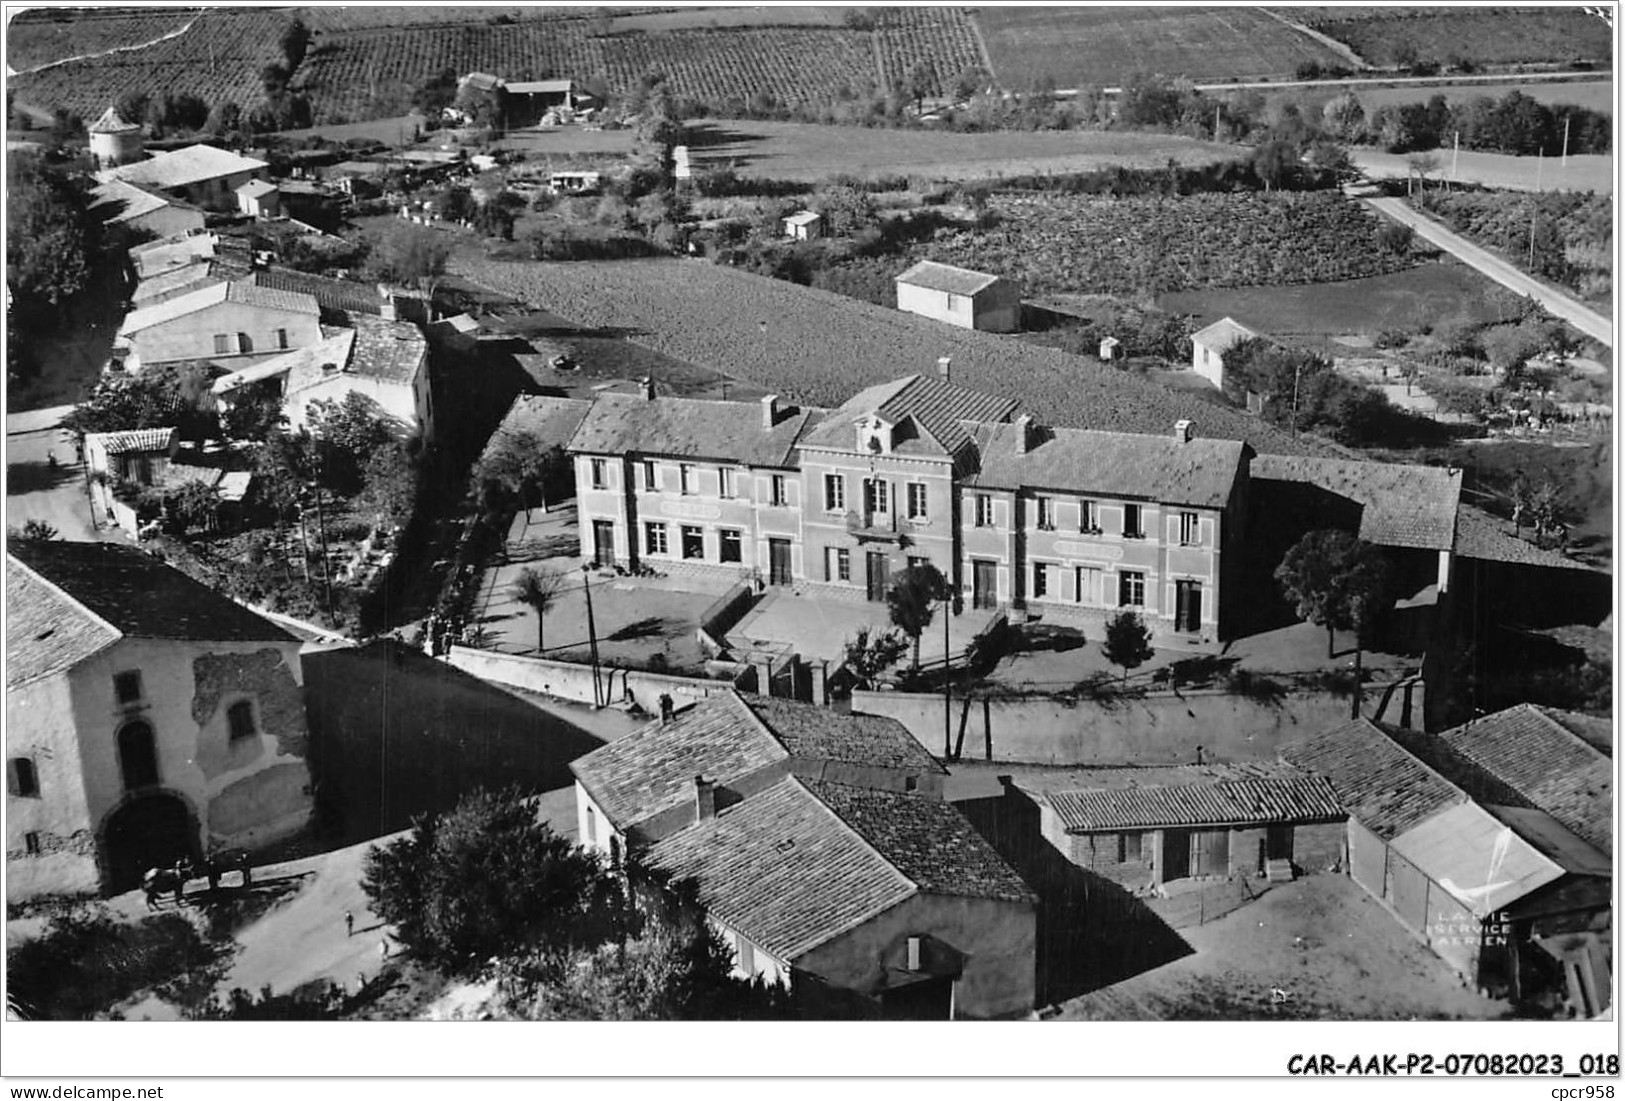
{"points": [[570, 681]]}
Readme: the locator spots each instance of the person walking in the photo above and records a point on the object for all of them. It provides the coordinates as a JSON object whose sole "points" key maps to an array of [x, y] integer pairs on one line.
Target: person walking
{"points": [[349, 924]]}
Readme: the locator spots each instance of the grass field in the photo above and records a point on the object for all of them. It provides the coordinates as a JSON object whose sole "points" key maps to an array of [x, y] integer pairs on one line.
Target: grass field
{"points": [[1484, 36], [1589, 173], [1079, 46], [805, 151], [1596, 95], [1404, 300]]}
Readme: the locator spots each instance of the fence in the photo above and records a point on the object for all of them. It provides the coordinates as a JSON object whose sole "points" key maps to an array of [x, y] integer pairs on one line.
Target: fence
{"points": [[608, 686]]}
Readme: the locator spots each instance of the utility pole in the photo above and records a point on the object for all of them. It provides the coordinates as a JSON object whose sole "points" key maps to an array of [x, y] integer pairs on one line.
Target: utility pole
{"points": [[1297, 373], [947, 681], [327, 562], [1540, 167], [592, 634], [1566, 121], [1216, 108], [1455, 158]]}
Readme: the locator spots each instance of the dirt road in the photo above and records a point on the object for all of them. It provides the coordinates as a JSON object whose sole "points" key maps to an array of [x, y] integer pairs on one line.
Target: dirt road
{"points": [[1589, 322]]}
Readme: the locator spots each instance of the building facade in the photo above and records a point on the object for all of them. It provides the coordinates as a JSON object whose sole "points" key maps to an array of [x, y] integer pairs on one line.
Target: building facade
{"points": [[147, 718], [1209, 345], [959, 296], [234, 324]]}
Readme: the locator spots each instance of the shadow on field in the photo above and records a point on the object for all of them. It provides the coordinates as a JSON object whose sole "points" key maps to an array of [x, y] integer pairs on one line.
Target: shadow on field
{"points": [[32, 477]]}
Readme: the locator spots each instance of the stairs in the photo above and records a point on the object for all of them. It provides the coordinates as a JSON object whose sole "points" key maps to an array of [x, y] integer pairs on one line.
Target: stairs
{"points": [[1278, 871]]}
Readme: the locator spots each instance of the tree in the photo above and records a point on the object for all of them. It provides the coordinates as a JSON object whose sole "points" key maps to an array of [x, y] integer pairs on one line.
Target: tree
{"points": [[193, 505], [1335, 580], [1421, 166], [119, 403], [517, 465], [294, 42], [437, 93], [1344, 117], [389, 483], [254, 413], [1275, 163], [347, 433], [869, 654], [486, 879], [53, 241], [912, 601], [33, 531], [1128, 642], [412, 255], [537, 590]]}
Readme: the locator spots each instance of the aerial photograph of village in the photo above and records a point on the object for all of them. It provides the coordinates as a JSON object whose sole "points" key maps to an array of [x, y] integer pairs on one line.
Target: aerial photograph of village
{"points": [[720, 513]]}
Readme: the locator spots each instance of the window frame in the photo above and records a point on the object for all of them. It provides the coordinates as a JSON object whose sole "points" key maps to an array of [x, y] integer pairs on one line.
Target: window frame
{"points": [[1088, 516], [1124, 855], [598, 473], [837, 564], [1095, 574], [1127, 582], [1040, 587], [737, 537], [918, 501], [694, 531], [779, 491], [1134, 510], [651, 476], [685, 479], [222, 344], [834, 492], [233, 730], [1190, 528], [876, 495], [128, 676], [656, 540], [983, 509], [282, 340], [1044, 513], [31, 843], [18, 770]]}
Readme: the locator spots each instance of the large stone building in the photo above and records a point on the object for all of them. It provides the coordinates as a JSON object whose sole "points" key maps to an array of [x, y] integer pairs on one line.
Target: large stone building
{"points": [[1063, 523], [147, 718]]}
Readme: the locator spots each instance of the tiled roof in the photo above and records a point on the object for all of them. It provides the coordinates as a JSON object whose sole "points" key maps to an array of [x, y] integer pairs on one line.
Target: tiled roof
{"points": [[653, 768], [194, 164], [135, 439], [141, 597], [1385, 788], [137, 201], [1539, 757], [305, 367], [45, 631], [255, 188], [551, 420], [686, 428], [945, 277], [1194, 799], [1223, 335], [1403, 505], [1199, 472], [205, 297], [940, 410], [172, 283], [330, 294], [783, 869], [391, 351], [803, 217], [1482, 536], [112, 122], [1595, 732], [926, 839], [160, 256], [817, 733]]}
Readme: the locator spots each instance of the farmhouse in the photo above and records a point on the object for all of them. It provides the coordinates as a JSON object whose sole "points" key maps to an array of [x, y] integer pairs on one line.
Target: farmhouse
{"points": [[147, 210], [969, 299], [1209, 345], [1505, 894], [819, 846], [147, 718], [200, 174], [230, 324]]}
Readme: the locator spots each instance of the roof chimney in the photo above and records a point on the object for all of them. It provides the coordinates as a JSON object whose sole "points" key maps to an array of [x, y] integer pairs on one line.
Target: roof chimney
{"points": [[1024, 429], [1184, 431], [705, 799], [943, 368], [770, 410], [648, 388]]}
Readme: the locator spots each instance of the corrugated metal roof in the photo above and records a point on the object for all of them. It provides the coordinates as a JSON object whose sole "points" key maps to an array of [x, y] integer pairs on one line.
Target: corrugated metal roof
{"points": [[1478, 859], [1217, 802], [1385, 788], [1223, 335], [619, 424], [947, 278], [1402, 505], [1199, 472], [193, 164]]}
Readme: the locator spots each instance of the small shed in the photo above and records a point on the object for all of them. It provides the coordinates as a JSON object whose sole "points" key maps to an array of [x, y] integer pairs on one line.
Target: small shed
{"points": [[575, 183], [804, 225], [1209, 345], [260, 199], [1109, 346], [959, 296]]}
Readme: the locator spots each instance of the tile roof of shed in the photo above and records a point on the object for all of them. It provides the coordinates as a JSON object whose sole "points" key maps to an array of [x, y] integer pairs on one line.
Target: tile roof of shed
{"points": [[1199, 472], [205, 297], [947, 278], [783, 869], [1533, 752], [46, 631], [160, 256], [940, 409], [818, 733], [136, 595], [392, 351], [138, 201], [330, 294], [1480, 535], [1380, 784], [134, 439], [687, 428], [256, 188], [181, 167], [1403, 505], [1195, 796], [305, 367]]}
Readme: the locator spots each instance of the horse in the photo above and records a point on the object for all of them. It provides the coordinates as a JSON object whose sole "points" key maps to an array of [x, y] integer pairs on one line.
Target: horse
{"points": [[158, 881], [228, 860]]}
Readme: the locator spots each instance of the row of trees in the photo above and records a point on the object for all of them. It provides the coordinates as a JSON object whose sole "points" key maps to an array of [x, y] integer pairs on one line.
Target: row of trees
{"points": [[1515, 123]]}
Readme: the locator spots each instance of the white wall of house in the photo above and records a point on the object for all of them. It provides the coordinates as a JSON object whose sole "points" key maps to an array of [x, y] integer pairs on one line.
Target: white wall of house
{"points": [[996, 309], [203, 333], [60, 857], [1208, 362], [401, 404]]}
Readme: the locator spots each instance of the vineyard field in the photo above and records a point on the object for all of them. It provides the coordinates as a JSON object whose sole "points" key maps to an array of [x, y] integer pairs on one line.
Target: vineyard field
{"points": [[819, 348], [1076, 244], [337, 19], [1495, 37], [1103, 45], [944, 38], [40, 36], [698, 18], [1499, 221]]}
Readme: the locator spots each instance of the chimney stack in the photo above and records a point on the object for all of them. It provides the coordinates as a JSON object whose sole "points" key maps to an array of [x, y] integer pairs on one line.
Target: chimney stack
{"points": [[648, 388], [1184, 431], [943, 368], [770, 411], [705, 799], [1024, 428], [667, 708]]}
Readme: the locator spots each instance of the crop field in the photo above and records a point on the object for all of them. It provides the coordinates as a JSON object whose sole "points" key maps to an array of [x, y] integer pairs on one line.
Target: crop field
{"points": [[218, 58], [1593, 172], [1080, 244], [1080, 46], [805, 151], [1596, 95], [40, 36], [336, 19], [941, 37], [1410, 300], [692, 18], [815, 347], [1496, 36]]}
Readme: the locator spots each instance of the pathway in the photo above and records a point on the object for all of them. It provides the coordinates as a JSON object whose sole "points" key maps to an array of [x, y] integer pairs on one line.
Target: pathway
{"points": [[1588, 321], [106, 53]]}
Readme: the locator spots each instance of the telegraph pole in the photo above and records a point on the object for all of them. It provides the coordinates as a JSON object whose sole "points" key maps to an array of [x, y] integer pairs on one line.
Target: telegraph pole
{"points": [[592, 634], [947, 681], [1566, 122]]}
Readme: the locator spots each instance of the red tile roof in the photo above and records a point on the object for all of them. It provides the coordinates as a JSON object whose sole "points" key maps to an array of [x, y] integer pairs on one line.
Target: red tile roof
{"points": [[1385, 788], [1194, 799], [1199, 472], [820, 734], [731, 431]]}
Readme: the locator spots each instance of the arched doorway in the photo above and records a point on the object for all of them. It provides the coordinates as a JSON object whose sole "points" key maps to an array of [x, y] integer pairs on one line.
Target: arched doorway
{"points": [[149, 831]]}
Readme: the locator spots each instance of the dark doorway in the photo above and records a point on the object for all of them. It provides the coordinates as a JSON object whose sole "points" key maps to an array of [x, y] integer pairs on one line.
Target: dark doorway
{"points": [[778, 562], [984, 583], [1278, 843], [879, 576], [1187, 606], [1176, 854], [137, 756], [152, 831], [603, 543], [928, 1000]]}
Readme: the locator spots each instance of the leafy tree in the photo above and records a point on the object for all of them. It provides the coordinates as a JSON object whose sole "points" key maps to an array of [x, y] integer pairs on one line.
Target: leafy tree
{"points": [[255, 412], [519, 466], [192, 505], [33, 531], [489, 879], [122, 402], [1275, 163], [1337, 581], [1395, 238], [1128, 642], [390, 483], [1344, 117], [922, 82], [437, 93], [53, 241], [295, 41], [224, 118], [347, 434], [486, 107], [538, 590], [867, 655], [411, 255], [912, 601]]}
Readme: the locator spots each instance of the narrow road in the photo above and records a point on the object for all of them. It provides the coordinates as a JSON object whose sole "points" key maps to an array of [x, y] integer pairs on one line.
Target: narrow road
{"points": [[1588, 321], [176, 33]]}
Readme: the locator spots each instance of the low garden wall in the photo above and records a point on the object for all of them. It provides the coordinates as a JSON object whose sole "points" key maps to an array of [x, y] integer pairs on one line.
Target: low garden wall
{"points": [[567, 680], [723, 614]]}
